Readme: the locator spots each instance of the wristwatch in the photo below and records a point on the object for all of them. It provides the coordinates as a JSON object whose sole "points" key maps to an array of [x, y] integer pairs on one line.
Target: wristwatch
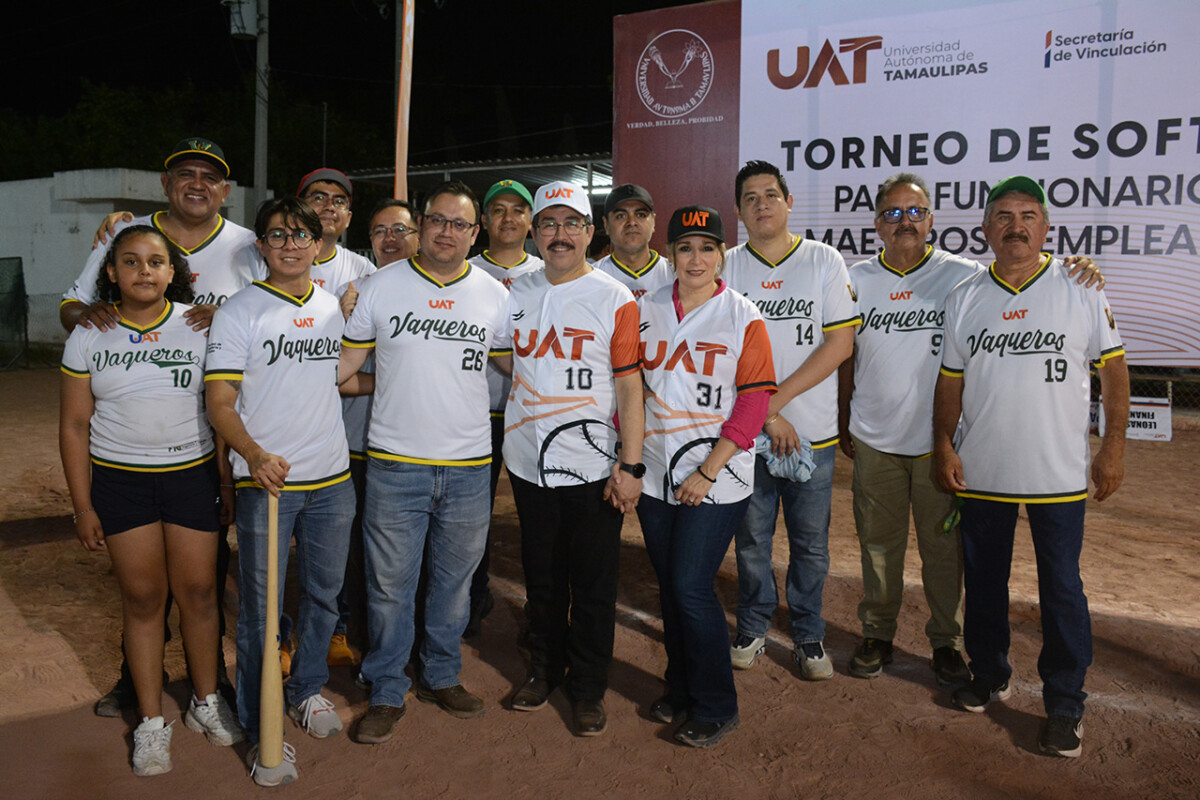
{"points": [[636, 470]]}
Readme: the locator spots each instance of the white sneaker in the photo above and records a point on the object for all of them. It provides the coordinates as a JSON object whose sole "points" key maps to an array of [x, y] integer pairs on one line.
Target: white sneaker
{"points": [[151, 747], [815, 665], [745, 649], [317, 716], [273, 776], [215, 719]]}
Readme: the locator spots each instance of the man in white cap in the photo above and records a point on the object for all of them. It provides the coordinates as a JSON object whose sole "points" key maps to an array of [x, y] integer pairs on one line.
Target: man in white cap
{"points": [[574, 332]]}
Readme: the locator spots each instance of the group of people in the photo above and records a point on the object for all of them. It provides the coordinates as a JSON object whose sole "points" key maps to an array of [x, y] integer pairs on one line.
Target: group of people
{"points": [[698, 389]]}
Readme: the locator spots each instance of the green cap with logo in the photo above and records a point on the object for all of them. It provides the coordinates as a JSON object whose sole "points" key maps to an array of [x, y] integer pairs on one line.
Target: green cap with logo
{"points": [[1018, 183], [507, 187]]}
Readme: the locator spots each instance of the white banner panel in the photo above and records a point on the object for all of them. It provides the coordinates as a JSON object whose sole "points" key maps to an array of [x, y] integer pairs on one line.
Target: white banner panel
{"points": [[1095, 100]]}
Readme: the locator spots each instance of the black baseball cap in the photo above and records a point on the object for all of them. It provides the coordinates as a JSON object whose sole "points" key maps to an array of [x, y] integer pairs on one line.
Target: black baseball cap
{"points": [[199, 149], [695, 221], [627, 191]]}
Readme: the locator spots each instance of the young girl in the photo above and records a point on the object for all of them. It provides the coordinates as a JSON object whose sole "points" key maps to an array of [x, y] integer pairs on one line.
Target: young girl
{"points": [[138, 456]]}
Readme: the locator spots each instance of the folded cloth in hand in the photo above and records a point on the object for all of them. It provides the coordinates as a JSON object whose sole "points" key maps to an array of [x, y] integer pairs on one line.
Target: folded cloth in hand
{"points": [[796, 466]]}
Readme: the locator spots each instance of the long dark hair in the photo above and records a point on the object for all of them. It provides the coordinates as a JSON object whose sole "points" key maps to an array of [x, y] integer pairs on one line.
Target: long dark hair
{"points": [[180, 289]]}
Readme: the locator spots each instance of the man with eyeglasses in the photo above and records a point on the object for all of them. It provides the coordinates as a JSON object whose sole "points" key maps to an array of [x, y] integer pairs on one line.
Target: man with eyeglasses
{"points": [[508, 217], [223, 259], [629, 223], [330, 193], [576, 363], [802, 290], [393, 231], [432, 322], [885, 408]]}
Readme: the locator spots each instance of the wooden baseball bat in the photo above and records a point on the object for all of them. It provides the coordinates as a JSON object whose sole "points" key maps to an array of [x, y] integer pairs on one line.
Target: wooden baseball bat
{"points": [[270, 709]]}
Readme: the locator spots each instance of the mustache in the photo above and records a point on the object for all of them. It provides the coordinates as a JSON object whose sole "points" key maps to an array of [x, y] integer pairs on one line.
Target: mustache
{"points": [[1016, 237]]}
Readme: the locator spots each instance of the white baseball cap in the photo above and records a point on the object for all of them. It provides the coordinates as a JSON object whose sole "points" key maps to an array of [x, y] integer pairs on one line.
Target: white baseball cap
{"points": [[562, 193]]}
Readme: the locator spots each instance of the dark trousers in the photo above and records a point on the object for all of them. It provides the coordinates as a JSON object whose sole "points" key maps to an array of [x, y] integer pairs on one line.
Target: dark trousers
{"points": [[686, 545], [570, 550], [987, 536]]}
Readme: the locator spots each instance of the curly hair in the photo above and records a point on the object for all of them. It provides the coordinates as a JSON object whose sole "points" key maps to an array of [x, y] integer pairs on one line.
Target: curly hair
{"points": [[178, 291]]}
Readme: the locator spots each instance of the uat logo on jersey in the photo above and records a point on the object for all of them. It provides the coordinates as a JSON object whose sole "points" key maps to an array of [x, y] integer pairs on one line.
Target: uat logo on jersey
{"points": [[149, 336], [447, 304], [303, 322], [1016, 313], [827, 63], [682, 357], [772, 284], [905, 295], [551, 344]]}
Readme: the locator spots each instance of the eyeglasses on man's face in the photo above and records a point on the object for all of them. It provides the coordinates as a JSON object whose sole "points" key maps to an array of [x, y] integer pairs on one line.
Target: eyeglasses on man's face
{"points": [[894, 215], [277, 238]]}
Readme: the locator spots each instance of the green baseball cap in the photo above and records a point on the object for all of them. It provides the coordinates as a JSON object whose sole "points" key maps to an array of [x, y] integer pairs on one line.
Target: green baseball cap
{"points": [[507, 187], [1018, 183]]}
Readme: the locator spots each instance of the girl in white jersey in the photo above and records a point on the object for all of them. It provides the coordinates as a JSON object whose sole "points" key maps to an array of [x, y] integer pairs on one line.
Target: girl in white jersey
{"points": [[708, 380], [138, 457]]}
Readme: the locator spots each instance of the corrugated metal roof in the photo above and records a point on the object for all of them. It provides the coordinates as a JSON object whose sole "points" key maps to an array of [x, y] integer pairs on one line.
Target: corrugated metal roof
{"points": [[593, 170]]}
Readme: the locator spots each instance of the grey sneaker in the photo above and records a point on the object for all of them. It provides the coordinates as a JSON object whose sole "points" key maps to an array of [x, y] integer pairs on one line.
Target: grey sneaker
{"points": [[870, 657], [1061, 737], [215, 719], [745, 649], [316, 716], [814, 664], [151, 748], [975, 696], [273, 776]]}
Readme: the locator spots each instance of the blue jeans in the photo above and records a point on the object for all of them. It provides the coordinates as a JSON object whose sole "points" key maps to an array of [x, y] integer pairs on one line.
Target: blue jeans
{"points": [[411, 507], [806, 517], [319, 519], [686, 545], [987, 533]]}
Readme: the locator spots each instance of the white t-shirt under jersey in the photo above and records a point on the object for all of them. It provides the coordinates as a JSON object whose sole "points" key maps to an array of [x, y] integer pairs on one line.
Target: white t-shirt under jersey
{"points": [[801, 298], [224, 263], [1024, 355], [657, 272], [431, 342], [499, 384], [148, 385], [284, 352], [898, 348]]}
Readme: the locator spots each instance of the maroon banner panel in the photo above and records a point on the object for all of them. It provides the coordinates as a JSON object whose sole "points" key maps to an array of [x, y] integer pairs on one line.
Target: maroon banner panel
{"points": [[676, 77]]}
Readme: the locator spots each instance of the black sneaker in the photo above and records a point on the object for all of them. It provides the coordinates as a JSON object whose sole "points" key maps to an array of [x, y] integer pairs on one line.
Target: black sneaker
{"points": [[975, 696], [869, 658], [1060, 737], [949, 667], [704, 734]]}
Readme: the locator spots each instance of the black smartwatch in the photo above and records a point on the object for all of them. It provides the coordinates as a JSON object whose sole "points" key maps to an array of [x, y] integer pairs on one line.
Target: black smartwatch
{"points": [[636, 470]]}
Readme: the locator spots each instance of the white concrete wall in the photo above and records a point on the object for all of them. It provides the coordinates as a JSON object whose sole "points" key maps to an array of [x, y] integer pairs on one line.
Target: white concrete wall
{"points": [[49, 222]]}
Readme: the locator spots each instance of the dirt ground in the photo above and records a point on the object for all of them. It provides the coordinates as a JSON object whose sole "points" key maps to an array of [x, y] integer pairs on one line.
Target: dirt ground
{"points": [[892, 737]]}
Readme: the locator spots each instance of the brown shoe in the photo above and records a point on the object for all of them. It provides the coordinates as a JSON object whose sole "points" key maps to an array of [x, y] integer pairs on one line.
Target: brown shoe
{"points": [[378, 725], [454, 700], [590, 719], [341, 654], [531, 695]]}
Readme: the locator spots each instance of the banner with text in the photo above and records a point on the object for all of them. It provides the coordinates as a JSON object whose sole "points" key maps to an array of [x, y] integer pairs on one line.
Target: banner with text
{"points": [[1092, 98]]}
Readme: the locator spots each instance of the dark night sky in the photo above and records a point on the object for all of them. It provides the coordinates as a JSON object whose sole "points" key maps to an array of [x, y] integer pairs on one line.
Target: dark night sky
{"points": [[489, 80]]}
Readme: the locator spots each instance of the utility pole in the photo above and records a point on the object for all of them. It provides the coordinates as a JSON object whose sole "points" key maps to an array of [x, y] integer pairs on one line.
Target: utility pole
{"points": [[262, 74], [404, 40]]}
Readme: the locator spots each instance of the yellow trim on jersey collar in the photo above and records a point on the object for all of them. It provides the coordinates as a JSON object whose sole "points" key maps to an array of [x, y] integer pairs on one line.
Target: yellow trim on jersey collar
{"points": [[654, 256], [420, 271], [297, 301], [773, 264], [924, 260], [326, 261], [133, 326], [217, 229], [1003, 285], [487, 257]]}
